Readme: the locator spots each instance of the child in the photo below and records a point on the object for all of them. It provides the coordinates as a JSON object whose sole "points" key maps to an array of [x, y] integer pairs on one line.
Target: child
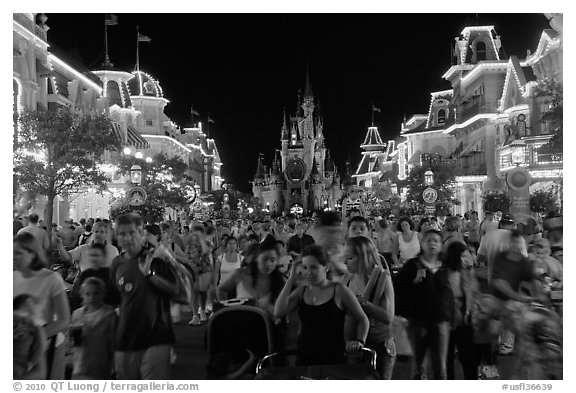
{"points": [[358, 226], [353, 201], [544, 263], [29, 360], [92, 333]]}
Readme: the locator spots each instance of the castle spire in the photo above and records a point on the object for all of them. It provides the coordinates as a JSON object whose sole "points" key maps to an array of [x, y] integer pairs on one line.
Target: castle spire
{"points": [[285, 133], [308, 90], [260, 172]]}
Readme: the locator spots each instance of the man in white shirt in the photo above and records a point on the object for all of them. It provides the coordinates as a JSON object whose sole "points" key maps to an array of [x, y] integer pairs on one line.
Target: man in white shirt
{"points": [[81, 253], [40, 234]]}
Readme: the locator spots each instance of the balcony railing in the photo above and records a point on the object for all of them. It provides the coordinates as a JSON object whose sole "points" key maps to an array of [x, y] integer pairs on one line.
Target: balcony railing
{"points": [[470, 108], [472, 163]]}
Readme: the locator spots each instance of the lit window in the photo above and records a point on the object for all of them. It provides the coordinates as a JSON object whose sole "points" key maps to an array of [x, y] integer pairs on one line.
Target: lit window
{"points": [[441, 116], [480, 51]]}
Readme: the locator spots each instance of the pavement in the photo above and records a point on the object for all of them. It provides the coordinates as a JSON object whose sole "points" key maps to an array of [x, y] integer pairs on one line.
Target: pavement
{"points": [[192, 356]]}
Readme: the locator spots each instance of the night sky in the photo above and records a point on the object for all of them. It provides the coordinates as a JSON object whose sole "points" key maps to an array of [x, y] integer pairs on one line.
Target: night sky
{"points": [[244, 69]]}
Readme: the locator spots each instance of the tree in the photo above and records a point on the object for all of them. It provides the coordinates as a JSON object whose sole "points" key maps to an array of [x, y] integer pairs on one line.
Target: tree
{"points": [[164, 180], [444, 181], [543, 201], [57, 152], [552, 94], [496, 200]]}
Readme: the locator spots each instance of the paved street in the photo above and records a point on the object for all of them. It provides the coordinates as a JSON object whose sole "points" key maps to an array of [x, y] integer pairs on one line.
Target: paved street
{"points": [[192, 357]]}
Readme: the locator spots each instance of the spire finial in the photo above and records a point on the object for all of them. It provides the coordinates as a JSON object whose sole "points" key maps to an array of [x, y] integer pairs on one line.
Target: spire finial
{"points": [[308, 90]]}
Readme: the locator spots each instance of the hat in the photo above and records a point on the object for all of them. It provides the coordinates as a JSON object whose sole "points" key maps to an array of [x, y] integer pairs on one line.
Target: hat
{"points": [[507, 218]]}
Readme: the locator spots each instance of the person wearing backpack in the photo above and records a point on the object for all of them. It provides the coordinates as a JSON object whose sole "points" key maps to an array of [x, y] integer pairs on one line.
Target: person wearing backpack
{"points": [[146, 286], [427, 302]]}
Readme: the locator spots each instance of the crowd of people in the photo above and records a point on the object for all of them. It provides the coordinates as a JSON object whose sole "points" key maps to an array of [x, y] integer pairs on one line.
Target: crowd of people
{"points": [[112, 291]]}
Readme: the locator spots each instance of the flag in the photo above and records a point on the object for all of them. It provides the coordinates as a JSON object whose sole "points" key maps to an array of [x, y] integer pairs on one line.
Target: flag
{"points": [[210, 120], [193, 112], [376, 109], [111, 20], [143, 38]]}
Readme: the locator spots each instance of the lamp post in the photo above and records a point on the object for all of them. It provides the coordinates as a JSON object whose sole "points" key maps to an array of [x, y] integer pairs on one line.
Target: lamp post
{"points": [[518, 152], [428, 178], [429, 195], [136, 175], [518, 180]]}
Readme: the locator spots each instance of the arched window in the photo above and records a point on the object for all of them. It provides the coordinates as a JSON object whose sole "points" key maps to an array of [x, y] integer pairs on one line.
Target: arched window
{"points": [[441, 116], [480, 51]]}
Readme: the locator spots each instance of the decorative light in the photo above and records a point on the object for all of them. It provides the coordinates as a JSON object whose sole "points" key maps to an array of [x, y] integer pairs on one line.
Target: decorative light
{"points": [[138, 154], [402, 161], [479, 116], [428, 178], [127, 151], [518, 151], [76, 74], [148, 160], [136, 174]]}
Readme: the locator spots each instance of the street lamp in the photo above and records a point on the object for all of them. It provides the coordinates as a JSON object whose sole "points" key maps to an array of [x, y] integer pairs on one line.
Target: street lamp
{"points": [[136, 174], [138, 154], [428, 178], [518, 150], [148, 160], [127, 151]]}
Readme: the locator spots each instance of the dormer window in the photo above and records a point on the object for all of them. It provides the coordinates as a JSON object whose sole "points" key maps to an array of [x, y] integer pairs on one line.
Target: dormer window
{"points": [[480, 51], [441, 116]]}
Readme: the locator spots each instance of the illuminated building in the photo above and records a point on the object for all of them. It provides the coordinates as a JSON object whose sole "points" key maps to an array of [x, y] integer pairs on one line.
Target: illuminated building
{"points": [[492, 101], [43, 79], [303, 177]]}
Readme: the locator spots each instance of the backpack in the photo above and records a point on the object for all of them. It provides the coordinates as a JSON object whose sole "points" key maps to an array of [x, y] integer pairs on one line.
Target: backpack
{"points": [[183, 278]]}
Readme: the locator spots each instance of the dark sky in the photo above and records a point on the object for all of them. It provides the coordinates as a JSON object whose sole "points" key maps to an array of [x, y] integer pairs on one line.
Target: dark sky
{"points": [[245, 68]]}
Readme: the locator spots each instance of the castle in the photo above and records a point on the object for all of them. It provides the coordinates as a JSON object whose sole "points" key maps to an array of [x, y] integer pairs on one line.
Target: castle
{"points": [[303, 177]]}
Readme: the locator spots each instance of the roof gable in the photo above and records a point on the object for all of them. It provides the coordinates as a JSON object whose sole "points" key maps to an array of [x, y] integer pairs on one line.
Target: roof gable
{"points": [[514, 84]]}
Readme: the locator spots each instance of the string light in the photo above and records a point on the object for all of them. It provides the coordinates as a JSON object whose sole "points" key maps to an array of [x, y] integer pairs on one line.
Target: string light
{"points": [[31, 37], [78, 75]]}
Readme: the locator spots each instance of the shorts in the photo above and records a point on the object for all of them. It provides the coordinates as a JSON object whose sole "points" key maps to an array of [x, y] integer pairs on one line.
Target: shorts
{"points": [[203, 281]]}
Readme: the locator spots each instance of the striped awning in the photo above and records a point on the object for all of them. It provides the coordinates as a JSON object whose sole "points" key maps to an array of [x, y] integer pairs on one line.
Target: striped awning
{"points": [[136, 140], [118, 133]]}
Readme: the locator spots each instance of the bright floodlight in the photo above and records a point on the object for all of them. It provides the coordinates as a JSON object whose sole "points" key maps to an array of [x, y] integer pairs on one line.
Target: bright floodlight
{"points": [[127, 151], [138, 154]]}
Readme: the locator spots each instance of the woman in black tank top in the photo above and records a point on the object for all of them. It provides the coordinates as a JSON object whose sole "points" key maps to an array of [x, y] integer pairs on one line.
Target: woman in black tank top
{"points": [[322, 307]]}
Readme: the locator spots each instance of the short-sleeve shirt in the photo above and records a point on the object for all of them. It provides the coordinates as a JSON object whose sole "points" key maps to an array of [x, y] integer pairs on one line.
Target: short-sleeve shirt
{"points": [[144, 310], [80, 254], [514, 268], [43, 286]]}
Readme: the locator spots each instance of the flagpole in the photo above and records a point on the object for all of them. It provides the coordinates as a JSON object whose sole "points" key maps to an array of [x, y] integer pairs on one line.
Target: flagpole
{"points": [[137, 52], [106, 58]]}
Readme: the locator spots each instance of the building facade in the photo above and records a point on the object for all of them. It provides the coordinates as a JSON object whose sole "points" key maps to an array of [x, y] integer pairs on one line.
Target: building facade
{"points": [[44, 79], [491, 101]]}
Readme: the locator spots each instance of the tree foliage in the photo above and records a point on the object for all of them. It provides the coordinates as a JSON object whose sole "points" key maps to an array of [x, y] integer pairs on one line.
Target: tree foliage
{"points": [[444, 181], [164, 180], [543, 201], [496, 200], [60, 151], [552, 93]]}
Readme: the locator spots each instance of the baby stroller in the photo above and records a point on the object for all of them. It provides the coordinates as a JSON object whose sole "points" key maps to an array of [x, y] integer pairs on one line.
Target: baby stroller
{"points": [[232, 332], [361, 365]]}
